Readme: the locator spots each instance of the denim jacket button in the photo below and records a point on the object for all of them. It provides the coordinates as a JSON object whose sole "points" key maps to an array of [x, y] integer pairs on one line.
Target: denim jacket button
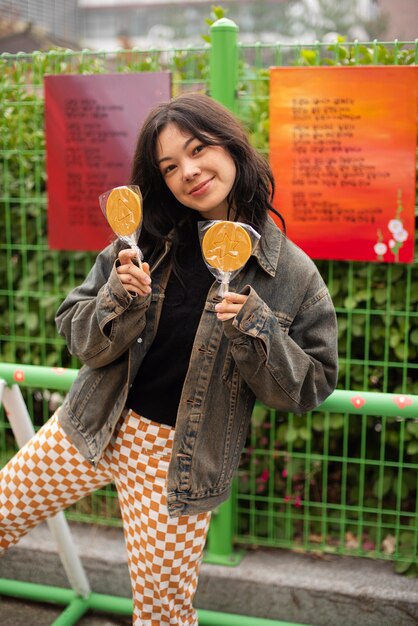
{"points": [[139, 340]]}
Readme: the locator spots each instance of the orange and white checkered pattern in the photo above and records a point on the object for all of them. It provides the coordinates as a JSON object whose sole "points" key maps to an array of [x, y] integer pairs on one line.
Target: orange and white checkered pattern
{"points": [[48, 474]]}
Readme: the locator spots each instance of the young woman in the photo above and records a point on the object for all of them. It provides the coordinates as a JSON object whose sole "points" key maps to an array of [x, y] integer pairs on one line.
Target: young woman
{"points": [[171, 372]]}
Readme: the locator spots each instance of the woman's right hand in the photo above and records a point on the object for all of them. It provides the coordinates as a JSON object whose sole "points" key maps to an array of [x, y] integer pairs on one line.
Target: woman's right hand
{"points": [[134, 280]]}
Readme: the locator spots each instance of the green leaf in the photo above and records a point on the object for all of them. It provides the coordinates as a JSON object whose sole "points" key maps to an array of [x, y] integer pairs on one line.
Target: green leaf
{"points": [[400, 489], [32, 321], [406, 540], [412, 447], [401, 352], [260, 415], [412, 428], [380, 295], [305, 433], [291, 434], [336, 421], [401, 567], [309, 56], [318, 422], [412, 571], [382, 486], [394, 339], [350, 302]]}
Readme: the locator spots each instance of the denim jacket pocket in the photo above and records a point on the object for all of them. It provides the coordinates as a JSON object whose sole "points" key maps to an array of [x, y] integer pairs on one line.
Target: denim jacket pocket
{"points": [[185, 454], [82, 391]]}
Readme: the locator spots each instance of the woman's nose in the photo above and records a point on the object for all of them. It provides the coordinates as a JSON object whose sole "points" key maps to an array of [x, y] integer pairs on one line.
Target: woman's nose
{"points": [[190, 170]]}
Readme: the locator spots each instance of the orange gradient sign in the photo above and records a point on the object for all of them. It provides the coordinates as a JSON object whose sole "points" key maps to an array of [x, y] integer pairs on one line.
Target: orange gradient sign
{"points": [[343, 153]]}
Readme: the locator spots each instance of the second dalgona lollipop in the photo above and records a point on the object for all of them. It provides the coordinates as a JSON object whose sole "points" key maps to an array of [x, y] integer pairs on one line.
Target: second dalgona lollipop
{"points": [[226, 246]]}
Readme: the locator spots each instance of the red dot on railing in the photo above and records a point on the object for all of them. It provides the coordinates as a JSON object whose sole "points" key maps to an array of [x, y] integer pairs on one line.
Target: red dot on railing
{"points": [[59, 370], [402, 401], [19, 376], [357, 402]]}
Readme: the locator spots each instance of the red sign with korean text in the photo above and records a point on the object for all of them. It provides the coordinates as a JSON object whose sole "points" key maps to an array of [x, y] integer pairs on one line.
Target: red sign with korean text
{"points": [[343, 153], [92, 123]]}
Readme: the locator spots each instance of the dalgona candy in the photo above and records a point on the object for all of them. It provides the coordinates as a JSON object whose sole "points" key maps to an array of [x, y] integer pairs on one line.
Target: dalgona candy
{"points": [[123, 211], [226, 246]]}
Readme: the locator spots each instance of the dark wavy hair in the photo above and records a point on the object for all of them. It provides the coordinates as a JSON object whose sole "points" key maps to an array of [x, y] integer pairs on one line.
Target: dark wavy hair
{"points": [[211, 123]]}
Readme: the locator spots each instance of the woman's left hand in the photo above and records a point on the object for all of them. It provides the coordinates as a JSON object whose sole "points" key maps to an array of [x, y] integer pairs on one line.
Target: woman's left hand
{"points": [[230, 306]]}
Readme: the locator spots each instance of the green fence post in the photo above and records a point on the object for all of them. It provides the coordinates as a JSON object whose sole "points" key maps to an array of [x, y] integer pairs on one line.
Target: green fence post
{"points": [[224, 62], [219, 547], [223, 88]]}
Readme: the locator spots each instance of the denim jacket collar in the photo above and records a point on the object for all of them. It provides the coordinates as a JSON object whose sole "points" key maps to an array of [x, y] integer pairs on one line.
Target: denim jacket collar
{"points": [[267, 252]]}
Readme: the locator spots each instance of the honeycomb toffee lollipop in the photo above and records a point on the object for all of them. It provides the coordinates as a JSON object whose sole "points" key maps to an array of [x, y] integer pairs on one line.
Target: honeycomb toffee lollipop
{"points": [[123, 211], [226, 247]]}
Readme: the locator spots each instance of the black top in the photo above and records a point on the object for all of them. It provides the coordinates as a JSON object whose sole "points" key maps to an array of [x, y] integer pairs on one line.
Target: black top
{"points": [[156, 390]]}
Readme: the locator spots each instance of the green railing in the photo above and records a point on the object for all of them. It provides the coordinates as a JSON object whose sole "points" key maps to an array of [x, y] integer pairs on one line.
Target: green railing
{"points": [[80, 599], [342, 478], [287, 497], [77, 607]]}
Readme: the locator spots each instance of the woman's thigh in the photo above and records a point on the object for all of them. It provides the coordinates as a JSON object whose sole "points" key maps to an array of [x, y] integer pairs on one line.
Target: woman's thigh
{"points": [[45, 476]]}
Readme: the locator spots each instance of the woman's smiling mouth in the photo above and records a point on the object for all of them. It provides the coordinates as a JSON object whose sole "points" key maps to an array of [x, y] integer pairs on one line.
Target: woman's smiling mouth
{"points": [[201, 188]]}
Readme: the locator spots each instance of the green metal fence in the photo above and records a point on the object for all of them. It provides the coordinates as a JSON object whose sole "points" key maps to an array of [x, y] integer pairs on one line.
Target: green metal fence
{"points": [[335, 481]]}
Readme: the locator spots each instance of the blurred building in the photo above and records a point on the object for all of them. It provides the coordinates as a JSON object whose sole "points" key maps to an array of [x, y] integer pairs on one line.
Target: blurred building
{"points": [[144, 23], [108, 24], [402, 18], [27, 25]]}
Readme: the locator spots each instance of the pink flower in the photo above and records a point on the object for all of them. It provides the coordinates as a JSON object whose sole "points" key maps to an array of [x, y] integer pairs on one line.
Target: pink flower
{"points": [[380, 248], [395, 226], [284, 473], [298, 502], [287, 498], [401, 236], [264, 476]]}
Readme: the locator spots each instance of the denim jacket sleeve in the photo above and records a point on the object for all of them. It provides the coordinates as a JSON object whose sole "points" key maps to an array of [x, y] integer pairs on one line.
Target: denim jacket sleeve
{"points": [[100, 319], [290, 364]]}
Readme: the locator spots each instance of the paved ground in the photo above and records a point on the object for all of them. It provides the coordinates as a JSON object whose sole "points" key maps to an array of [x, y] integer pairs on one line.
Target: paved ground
{"points": [[272, 584], [20, 613]]}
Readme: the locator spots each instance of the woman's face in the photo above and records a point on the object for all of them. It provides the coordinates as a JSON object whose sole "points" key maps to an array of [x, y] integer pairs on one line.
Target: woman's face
{"points": [[198, 175]]}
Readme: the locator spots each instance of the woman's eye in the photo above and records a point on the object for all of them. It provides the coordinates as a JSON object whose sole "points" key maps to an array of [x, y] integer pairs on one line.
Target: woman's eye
{"points": [[168, 169], [198, 149]]}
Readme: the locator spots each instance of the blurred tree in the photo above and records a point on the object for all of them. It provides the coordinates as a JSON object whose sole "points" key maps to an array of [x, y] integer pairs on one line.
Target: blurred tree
{"points": [[266, 16], [325, 18]]}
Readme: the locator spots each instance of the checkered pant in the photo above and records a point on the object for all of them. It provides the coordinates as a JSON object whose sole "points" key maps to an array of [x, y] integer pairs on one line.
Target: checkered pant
{"points": [[48, 474]]}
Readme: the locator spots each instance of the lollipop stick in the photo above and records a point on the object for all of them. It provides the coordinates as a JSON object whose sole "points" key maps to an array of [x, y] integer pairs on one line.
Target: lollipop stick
{"points": [[224, 286], [138, 255]]}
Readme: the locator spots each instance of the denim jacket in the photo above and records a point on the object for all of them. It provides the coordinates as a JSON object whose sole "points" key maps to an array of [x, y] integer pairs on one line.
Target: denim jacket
{"points": [[281, 348]]}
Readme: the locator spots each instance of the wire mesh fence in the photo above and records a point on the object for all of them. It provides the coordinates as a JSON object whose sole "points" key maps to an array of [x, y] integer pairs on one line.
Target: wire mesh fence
{"points": [[321, 481]]}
